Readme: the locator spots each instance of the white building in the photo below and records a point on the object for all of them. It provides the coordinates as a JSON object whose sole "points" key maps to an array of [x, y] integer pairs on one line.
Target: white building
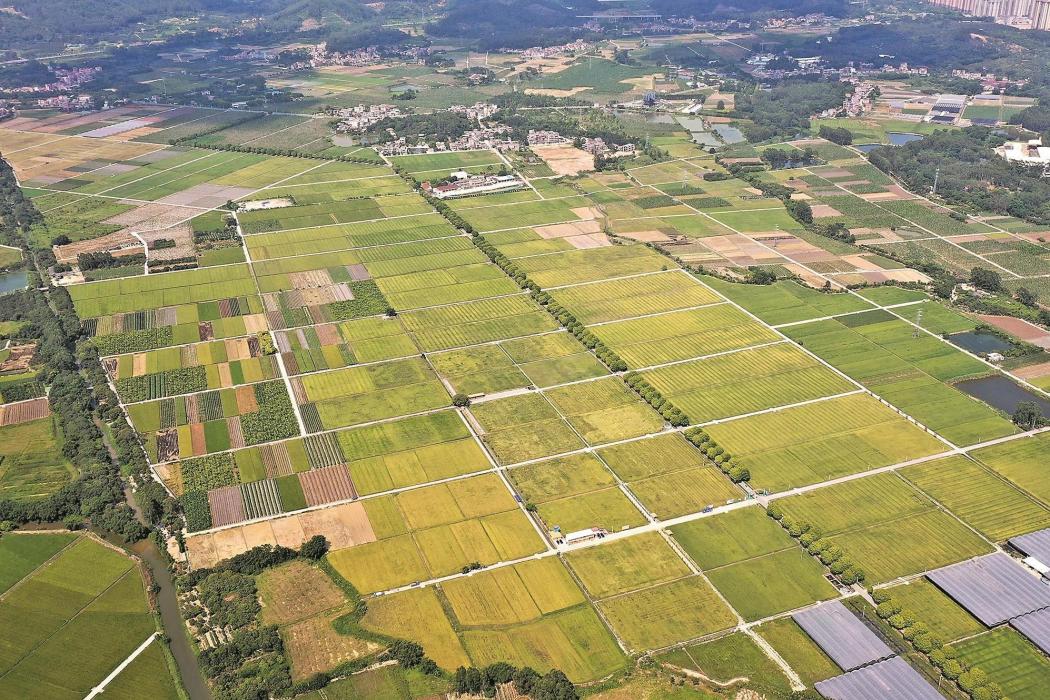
{"points": [[1031, 152]]}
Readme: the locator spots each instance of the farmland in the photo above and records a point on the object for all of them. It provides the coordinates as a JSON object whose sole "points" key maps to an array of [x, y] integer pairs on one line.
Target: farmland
{"points": [[887, 509], [1010, 660], [798, 445], [452, 411], [68, 624]]}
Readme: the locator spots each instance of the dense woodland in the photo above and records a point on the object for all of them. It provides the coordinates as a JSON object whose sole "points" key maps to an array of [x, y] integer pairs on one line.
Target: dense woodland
{"points": [[534, 22], [927, 42], [971, 173], [784, 111]]}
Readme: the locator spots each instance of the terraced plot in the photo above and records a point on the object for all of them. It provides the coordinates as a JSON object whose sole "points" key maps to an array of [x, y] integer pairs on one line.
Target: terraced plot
{"points": [[573, 493], [435, 531], [67, 625], [473, 323], [933, 607], [753, 563], [604, 410], [787, 302], [576, 266], [982, 499], [1022, 462], [361, 394], [668, 475], [908, 370], [1009, 660], [636, 296], [524, 427]]}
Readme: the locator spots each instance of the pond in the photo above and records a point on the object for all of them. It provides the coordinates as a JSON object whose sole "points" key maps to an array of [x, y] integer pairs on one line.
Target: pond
{"points": [[705, 138], [647, 117], [979, 343], [13, 281], [1000, 392], [729, 134], [899, 138]]}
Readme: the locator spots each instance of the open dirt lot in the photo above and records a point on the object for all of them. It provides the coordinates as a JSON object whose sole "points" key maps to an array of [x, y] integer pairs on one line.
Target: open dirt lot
{"points": [[344, 526], [565, 159]]}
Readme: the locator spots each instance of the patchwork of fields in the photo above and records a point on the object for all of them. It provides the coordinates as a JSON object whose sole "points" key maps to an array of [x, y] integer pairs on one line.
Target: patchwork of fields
{"points": [[449, 407]]}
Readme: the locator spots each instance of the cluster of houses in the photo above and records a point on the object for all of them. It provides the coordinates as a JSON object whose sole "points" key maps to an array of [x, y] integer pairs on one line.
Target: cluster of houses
{"points": [[6, 111], [570, 49], [486, 137], [368, 56], [594, 146], [67, 103], [542, 137], [861, 100], [360, 118], [66, 80], [598, 147], [478, 110]]}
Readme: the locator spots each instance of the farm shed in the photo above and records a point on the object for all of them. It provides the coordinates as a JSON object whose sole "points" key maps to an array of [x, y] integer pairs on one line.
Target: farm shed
{"points": [[842, 635], [1035, 545], [1035, 626], [892, 678], [994, 588]]}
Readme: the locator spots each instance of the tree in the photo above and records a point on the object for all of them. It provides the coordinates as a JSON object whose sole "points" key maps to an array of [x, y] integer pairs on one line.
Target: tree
{"points": [[835, 134], [985, 279], [314, 548], [1028, 415], [461, 400], [1027, 297], [800, 210]]}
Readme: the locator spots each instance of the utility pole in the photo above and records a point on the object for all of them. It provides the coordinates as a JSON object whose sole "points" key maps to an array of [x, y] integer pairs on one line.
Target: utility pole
{"points": [[936, 177]]}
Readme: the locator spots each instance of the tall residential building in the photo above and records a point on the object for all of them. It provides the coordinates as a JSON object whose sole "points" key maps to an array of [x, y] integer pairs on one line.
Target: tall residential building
{"points": [[1041, 15]]}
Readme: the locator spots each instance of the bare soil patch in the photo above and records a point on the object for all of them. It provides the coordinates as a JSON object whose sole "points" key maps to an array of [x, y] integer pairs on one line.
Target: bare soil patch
{"points": [[565, 159]]}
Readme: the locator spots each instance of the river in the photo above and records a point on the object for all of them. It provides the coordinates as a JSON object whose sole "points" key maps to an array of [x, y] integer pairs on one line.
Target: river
{"points": [[168, 604]]}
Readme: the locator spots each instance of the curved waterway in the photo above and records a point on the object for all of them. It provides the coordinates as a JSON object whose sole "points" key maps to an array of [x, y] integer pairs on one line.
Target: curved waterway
{"points": [[168, 605]]}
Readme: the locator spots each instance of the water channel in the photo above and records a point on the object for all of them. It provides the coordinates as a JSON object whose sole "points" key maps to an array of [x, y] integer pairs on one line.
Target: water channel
{"points": [[168, 605]]}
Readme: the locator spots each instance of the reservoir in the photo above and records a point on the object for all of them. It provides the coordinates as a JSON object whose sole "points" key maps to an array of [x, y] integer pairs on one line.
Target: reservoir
{"points": [[898, 138], [729, 134]]}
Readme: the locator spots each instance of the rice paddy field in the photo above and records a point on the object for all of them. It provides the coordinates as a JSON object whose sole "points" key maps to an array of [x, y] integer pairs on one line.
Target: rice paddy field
{"points": [[359, 353], [1009, 660], [820, 441], [911, 371], [887, 526], [73, 609]]}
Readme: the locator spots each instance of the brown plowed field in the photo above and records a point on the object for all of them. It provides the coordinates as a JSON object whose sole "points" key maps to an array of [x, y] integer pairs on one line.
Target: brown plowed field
{"points": [[327, 485], [24, 411], [227, 506]]}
